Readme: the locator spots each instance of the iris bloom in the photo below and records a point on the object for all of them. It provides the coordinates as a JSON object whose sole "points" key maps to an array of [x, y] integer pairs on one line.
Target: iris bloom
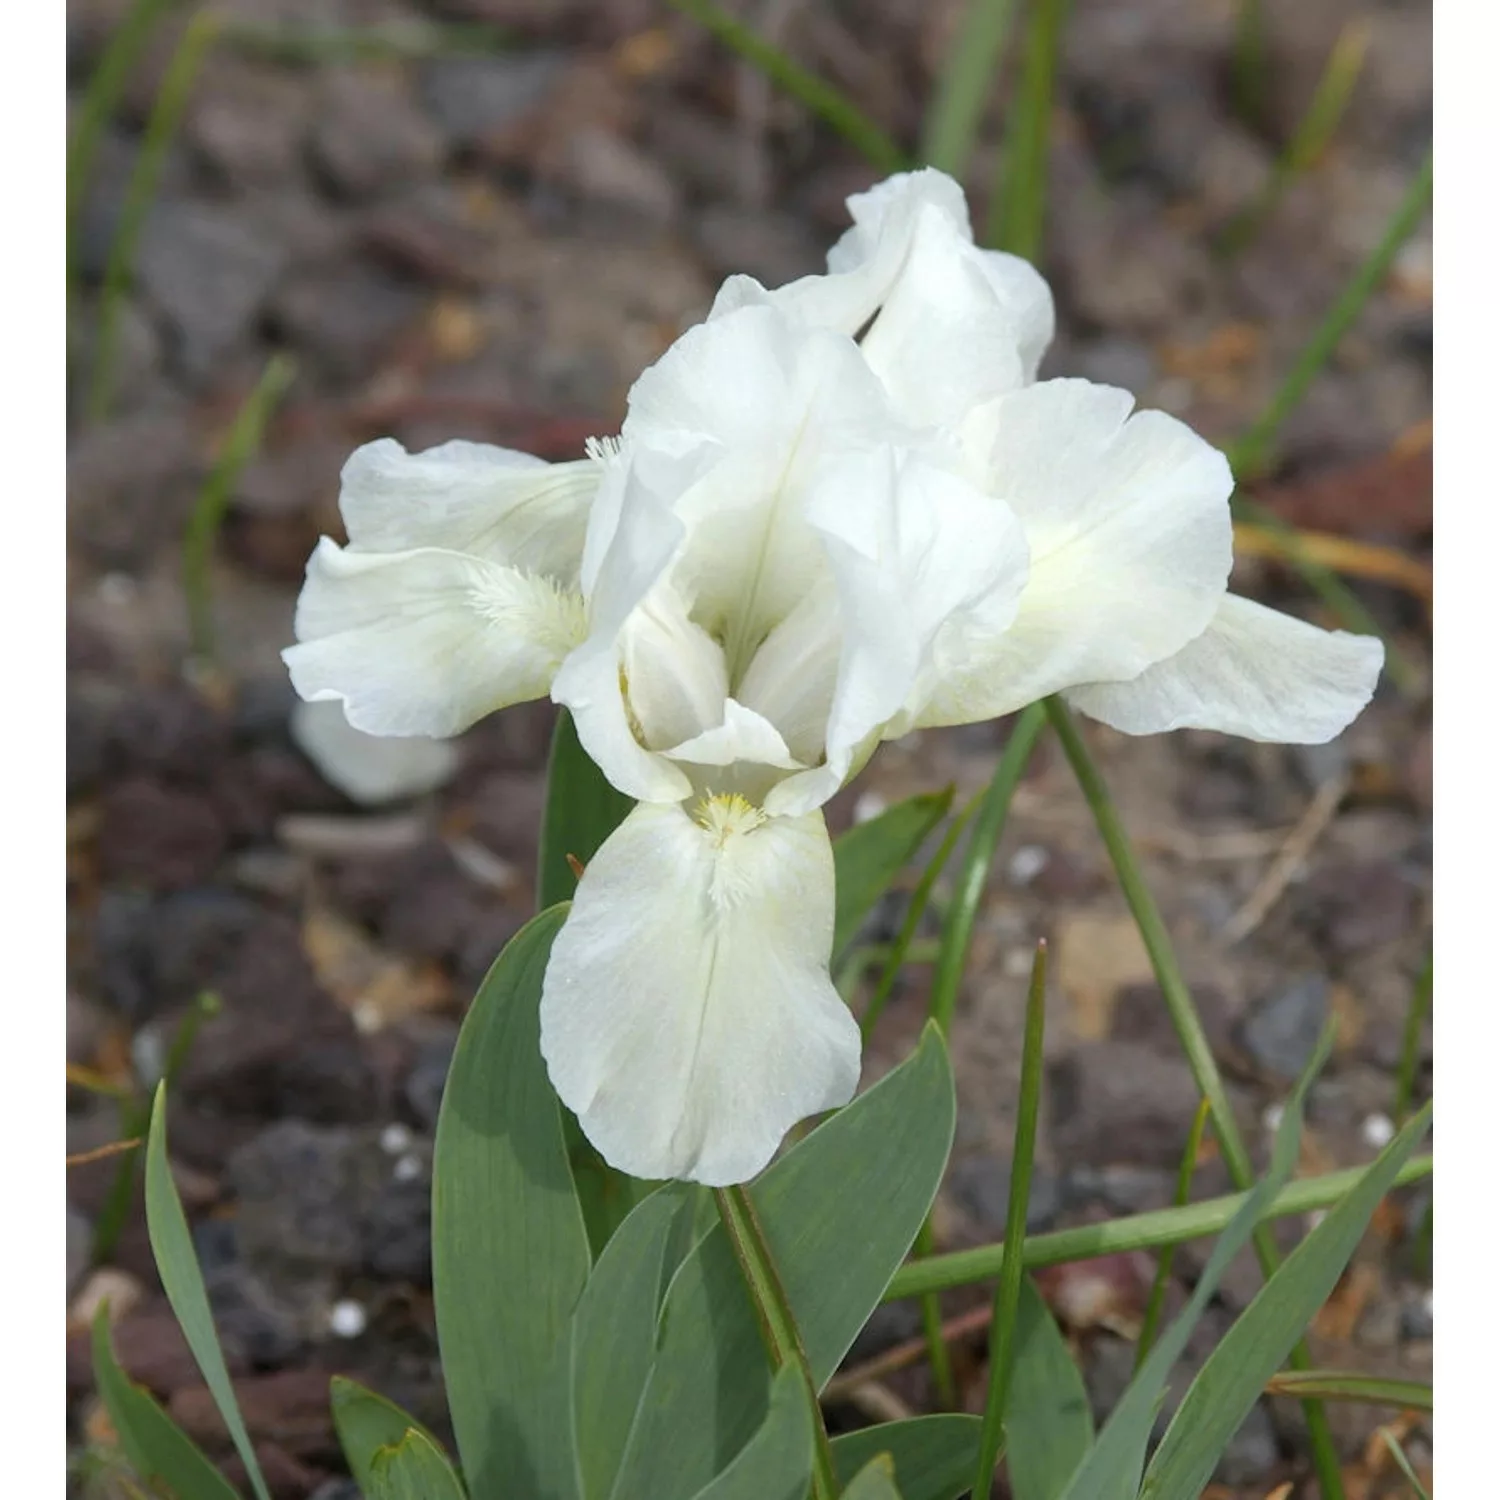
{"points": [[837, 511]]}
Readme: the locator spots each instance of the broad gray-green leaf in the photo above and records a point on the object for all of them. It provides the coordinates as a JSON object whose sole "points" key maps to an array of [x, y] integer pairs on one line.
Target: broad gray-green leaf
{"points": [[872, 854], [413, 1469], [365, 1423], [160, 1452], [1112, 1468], [776, 1464], [510, 1255], [1235, 1374], [876, 1481], [839, 1213], [182, 1280], [934, 1456], [582, 810], [614, 1332], [1048, 1424]]}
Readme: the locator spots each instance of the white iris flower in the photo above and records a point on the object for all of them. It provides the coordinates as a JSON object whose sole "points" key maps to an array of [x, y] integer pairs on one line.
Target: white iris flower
{"points": [[837, 511]]}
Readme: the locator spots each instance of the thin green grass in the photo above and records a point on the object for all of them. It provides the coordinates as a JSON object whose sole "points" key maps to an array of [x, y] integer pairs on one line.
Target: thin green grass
{"points": [[1310, 139], [1354, 1385], [968, 75], [1248, 67], [240, 445], [1402, 1462], [313, 45], [1018, 206], [1194, 1040], [1251, 456], [1008, 1292], [1157, 1301], [825, 101], [160, 129]]}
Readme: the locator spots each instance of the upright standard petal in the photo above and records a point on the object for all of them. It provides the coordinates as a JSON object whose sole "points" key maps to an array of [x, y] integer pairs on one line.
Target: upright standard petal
{"points": [[688, 1018], [1254, 672], [426, 642], [501, 505], [1127, 521]]}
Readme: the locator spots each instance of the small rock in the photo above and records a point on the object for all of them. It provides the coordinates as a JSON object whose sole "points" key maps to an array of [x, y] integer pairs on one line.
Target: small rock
{"points": [[605, 167], [1141, 1015], [170, 732], [1280, 1031], [247, 122], [1358, 907], [429, 1073], [370, 769], [428, 232], [159, 837], [474, 97], [1380, 1327], [891, 1323], [370, 139], [1120, 1189], [1416, 1316], [120, 1290], [344, 317], [774, 248], [981, 1187], [1252, 1453], [1127, 363], [1119, 1102], [210, 271]]}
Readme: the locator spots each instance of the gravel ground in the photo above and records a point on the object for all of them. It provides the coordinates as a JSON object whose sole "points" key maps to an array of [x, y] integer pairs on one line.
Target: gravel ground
{"points": [[492, 246]]}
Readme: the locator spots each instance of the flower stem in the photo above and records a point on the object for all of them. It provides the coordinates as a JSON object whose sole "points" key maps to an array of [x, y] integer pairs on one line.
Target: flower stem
{"points": [[777, 1325], [1194, 1040]]}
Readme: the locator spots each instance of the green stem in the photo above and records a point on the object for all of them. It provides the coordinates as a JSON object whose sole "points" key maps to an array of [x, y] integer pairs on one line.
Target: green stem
{"points": [[1148, 1231], [777, 1325], [968, 75], [1194, 1040], [1411, 1041], [1351, 1385], [1158, 1298], [1008, 1292], [931, 1310], [806, 88]]}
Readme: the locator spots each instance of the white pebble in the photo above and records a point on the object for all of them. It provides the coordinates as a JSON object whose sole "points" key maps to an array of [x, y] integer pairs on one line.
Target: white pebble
{"points": [[395, 1139], [868, 805], [1027, 863], [347, 1319], [1272, 1117], [408, 1169], [1377, 1131], [117, 588]]}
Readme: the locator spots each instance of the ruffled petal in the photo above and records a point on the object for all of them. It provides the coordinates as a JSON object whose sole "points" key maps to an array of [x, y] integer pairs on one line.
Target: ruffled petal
{"points": [[687, 1015], [1254, 672], [744, 736], [501, 505], [912, 548], [675, 679], [427, 642], [372, 770], [1127, 520]]}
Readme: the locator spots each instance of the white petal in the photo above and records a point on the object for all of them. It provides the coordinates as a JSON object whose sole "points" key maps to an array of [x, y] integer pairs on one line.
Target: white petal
{"points": [[643, 538], [912, 548], [687, 1015], [943, 342], [469, 497], [368, 769], [792, 676], [743, 736], [1019, 289], [865, 263], [1128, 526], [426, 642], [676, 682], [1254, 672]]}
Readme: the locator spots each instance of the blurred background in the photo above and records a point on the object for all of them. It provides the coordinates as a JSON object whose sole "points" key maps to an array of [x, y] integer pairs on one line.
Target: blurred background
{"points": [[296, 225]]}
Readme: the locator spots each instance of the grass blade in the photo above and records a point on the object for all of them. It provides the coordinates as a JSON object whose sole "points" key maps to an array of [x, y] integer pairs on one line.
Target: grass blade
{"points": [[1350, 1385], [1310, 139], [1234, 1375], [366, 1423], [1048, 1421], [1411, 1040], [240, 445], [1190, 1033], [1018, 206], [1158, 1297], [820, 97], [160, 128], [415, 1468], [916, 909], [872, 854], [1111, 1470], [1402, 1462], [100, 98], [181, 1279], [1148, 1231], [158, 1449], [1251, 455], [1008, 1293], [968, 75], [312, 45]]}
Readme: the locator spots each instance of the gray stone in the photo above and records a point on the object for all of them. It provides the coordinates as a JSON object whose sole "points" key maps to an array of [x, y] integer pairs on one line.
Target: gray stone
{"points": [[1121, 1102], [345, 317], [1121, 1189], [474, 97], [428, 1075], [1252, 1453], [981, 1187], [247, 122], [370, 138], [209, 269], [774, 248], [79, 1245], [1280, 1031]]}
